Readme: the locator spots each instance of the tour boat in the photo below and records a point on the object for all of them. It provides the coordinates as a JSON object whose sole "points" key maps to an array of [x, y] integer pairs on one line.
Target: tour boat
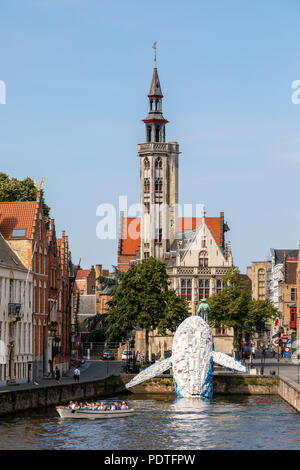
{"points": [[65, 412]]}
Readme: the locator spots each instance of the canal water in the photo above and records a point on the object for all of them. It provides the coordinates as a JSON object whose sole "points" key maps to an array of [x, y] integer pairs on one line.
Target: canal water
{"points": [[163, 423]]}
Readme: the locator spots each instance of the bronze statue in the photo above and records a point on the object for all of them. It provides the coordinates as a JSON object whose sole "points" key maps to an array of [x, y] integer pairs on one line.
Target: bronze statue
{"points": [[203, 310]]}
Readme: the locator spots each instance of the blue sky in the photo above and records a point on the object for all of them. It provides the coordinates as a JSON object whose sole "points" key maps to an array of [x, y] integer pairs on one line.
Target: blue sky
{"points": [[77, 74]]}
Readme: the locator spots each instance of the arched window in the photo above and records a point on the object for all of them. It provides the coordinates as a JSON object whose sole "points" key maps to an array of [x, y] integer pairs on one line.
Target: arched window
{"points": [[146, 185], [146, 164], [186, 289], [158, 186], [158, 163], [219, 285], [157, 133], [149, 133], [203, 259], [158, 236]]}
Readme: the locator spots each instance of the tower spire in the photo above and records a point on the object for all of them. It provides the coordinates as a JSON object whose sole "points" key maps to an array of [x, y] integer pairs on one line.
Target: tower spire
{"points": [[155, 121], [154, 47]]}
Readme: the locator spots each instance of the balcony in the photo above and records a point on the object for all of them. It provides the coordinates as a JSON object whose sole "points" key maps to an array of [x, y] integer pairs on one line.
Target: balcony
{"points": [[158, 147], [14, 311]]}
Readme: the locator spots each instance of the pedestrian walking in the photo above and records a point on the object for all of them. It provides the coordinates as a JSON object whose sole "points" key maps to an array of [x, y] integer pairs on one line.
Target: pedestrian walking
{"points": [[57, 375], [76, 375]]}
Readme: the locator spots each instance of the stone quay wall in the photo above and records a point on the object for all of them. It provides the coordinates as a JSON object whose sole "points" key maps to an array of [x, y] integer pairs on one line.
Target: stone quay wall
{"points": [[290, 392], [223, 384], [41, 397]]}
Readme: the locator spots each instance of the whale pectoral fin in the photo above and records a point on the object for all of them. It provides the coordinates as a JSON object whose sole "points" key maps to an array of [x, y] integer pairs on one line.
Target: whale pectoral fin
{"points": [[155, 369], [228, 361]]}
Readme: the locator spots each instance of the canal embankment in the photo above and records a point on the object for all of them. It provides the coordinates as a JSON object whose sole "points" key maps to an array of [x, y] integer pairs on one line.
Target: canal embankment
{"points": [[290, 392], [224, 384], [40, 397]]}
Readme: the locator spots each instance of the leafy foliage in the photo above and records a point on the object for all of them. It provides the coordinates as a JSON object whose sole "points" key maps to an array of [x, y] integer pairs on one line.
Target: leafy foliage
{"points": [[234, 307], [143, 300], [12, 189]]}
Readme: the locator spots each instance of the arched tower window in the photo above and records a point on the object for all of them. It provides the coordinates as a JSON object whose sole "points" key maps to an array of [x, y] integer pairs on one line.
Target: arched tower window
{"points": [[158, 185], [157, 134], [146, 164], [146, 185], [149, 133], [158, 163]]}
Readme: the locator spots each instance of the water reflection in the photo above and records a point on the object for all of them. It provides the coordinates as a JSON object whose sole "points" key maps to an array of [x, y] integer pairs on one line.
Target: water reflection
{"points": [[164, 423]]}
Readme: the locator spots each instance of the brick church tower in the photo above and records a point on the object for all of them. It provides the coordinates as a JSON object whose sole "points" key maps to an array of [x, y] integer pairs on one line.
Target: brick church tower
{"points": [[159, 179]]}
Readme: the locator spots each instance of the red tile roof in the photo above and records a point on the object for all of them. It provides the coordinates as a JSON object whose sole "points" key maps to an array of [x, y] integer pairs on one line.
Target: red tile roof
{"points": [[130, 235], [19, 214], [130, 241], [82, 274]]}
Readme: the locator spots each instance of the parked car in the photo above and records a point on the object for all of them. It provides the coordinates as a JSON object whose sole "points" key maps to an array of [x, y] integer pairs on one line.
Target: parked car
{"points": [[108, 354], [126, 354]]}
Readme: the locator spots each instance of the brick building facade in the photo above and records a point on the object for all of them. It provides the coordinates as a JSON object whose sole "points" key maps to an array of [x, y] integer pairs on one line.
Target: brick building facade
{"points": [[23, 225]]}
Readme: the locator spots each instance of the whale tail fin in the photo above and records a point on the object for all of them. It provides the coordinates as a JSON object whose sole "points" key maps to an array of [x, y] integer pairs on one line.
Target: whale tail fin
{"points": [[228, 361], [155, 369]]}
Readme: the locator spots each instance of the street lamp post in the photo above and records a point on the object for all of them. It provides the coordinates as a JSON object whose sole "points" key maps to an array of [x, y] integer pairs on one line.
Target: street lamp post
{"points": [[263, 359]]}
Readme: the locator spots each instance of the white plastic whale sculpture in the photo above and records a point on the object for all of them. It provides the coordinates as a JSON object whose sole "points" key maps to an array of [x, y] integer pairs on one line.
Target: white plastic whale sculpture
{"points": [[192, 360]]}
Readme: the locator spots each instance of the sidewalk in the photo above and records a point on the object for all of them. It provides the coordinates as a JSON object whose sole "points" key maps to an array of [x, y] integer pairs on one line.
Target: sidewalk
{"points": [[49, 382]]}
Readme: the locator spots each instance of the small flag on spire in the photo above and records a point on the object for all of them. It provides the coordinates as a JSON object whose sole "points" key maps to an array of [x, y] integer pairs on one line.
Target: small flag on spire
{"points": [[154, 45]]}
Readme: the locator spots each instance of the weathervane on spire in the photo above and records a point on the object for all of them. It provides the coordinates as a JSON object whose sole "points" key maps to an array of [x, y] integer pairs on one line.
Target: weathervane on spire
{"points": [[154, 47]]}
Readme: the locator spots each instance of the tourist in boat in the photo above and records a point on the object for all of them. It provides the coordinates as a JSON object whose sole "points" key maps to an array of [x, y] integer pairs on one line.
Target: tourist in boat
{"points": [[71, 405], [124, 406], [117, 406], [113, 407], [85, 407]]}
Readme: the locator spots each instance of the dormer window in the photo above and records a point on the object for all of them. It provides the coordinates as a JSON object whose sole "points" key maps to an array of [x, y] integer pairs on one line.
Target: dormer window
{"points": [[203, 259], [18, 233]]}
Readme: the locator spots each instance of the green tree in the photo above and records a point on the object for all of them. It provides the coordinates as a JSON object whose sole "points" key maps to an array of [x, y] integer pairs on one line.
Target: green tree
{"points": [[12, 189], [143, 300], [234, 307]]}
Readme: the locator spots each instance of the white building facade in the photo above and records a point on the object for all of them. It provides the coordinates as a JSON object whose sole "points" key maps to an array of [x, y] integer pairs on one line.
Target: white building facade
{"points": [[16, 299]]}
